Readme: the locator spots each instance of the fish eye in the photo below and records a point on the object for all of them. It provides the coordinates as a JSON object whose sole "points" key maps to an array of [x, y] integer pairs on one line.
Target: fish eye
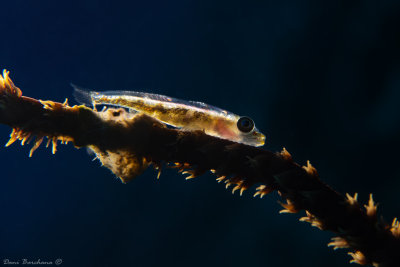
{"points": [[245, 124]]}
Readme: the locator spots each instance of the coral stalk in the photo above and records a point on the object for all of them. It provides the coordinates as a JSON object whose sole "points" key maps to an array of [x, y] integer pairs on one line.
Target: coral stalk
{"points": [[128, 143]]}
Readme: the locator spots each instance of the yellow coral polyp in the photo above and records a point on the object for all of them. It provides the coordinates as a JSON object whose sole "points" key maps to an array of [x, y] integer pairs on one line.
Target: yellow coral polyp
{"points": [[371, 207], [358, 257], [395, 229], [352, 200], [338, 242], [310, 169], [8, 86]]}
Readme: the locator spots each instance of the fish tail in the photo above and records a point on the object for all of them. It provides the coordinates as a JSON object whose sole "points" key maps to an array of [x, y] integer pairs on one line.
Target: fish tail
{"points": [[82, 96]]}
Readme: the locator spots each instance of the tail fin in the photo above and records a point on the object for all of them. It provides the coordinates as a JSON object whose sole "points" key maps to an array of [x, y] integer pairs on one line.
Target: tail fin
{"points": [[82, 96]]}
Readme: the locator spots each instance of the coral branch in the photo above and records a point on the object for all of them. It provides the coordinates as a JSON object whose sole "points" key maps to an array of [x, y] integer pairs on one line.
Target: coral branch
{"points": [[127, 144]]}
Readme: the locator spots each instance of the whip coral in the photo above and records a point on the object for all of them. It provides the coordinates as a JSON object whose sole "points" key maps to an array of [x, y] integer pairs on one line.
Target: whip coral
{"points": [[129, 143]]}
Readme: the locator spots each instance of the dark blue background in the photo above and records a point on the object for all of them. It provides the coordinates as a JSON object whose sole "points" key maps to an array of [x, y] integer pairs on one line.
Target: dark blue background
{"points": [[320, 78]]}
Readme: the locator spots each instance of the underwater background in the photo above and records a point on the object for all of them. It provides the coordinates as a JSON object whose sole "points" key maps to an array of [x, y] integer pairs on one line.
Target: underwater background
{"points": [[319, 78]]}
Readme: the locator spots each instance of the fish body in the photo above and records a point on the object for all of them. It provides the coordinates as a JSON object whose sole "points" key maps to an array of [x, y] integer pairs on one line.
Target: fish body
{"points": [[183, 114]]}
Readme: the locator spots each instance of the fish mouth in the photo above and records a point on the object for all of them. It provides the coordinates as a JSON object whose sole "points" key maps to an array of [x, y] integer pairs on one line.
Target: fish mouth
{"points": [[258, 139], [262, 140]]}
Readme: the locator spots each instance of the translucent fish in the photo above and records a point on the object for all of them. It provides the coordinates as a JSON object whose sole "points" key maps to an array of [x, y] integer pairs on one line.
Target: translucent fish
{"points": [[187, 115]]}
